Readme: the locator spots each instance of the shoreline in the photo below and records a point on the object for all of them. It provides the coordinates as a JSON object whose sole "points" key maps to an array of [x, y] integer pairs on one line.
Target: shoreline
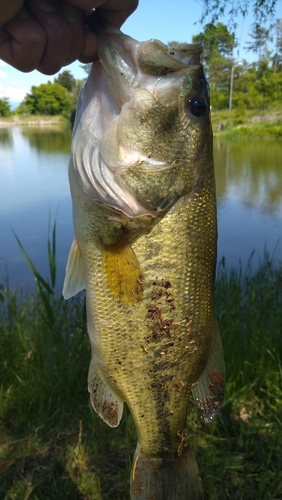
{"points": [[255, 124], [32, 121], [233, 124]]}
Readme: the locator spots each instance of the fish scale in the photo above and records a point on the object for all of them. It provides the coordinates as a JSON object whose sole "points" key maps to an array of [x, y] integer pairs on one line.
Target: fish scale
{"points": [[149, 276]]}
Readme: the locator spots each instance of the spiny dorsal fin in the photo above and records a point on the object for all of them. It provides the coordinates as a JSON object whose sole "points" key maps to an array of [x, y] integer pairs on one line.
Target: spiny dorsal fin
{"points": [[122, 272], [74, 277]]}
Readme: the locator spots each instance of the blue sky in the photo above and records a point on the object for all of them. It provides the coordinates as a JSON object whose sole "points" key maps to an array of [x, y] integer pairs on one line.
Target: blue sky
{"points": [[162, 19]]}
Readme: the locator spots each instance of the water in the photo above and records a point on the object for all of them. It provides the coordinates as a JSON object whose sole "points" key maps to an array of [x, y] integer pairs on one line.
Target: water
{"points": [[34, 184], [249, 190]]}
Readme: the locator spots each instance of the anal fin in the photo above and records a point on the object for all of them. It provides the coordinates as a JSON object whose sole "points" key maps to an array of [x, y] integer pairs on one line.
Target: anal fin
{"points": [[122, 271], [208, 391], [104, 400]]}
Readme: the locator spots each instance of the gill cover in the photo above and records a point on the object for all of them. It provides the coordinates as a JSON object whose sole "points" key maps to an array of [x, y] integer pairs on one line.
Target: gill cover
{"points": [[129, 75]]}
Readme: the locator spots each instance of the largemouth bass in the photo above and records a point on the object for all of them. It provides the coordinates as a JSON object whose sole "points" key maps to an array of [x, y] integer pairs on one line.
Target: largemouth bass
{"points": [[143, 190]]}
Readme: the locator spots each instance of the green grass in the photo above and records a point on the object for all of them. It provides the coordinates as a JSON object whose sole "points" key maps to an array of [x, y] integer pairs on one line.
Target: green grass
{"points": [[53, 446], [246, 124], [32, 120]]}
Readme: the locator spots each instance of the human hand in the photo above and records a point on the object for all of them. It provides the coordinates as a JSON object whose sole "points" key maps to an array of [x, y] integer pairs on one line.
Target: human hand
{"points": [[48, 34]]}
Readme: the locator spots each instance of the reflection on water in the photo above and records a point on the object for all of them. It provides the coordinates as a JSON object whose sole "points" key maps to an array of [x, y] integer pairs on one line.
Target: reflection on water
{"points": [[33, 180], [249, 191], [53, 140], [250, 172], [6, 137]]}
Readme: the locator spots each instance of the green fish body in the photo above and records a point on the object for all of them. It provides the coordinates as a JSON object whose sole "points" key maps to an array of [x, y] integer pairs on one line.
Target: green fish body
{"points": [[144, 208]]}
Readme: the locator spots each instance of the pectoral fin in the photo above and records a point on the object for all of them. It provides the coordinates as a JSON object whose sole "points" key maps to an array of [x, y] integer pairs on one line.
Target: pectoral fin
{"points": [[105, 402], [74, 278], [122, 272], [208, 392]]}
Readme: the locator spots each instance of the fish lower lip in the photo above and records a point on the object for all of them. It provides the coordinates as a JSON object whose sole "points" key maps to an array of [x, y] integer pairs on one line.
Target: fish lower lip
{"points": [[156, 164]]}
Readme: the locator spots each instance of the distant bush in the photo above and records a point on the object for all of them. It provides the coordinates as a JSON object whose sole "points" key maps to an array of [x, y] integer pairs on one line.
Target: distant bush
{"points": [[47, 99], [5, 109]]}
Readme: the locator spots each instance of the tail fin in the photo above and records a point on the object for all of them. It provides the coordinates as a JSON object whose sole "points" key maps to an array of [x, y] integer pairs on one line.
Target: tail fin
{"points": [[163, 479]]}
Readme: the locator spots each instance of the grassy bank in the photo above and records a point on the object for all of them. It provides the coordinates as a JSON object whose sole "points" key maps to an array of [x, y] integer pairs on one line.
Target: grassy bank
{"points": [[32, 121], [52, 446], [235, 124], [253, 124]]}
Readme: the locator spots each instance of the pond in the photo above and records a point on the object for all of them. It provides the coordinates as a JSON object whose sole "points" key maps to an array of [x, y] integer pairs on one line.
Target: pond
{"points": [[34, 189]]}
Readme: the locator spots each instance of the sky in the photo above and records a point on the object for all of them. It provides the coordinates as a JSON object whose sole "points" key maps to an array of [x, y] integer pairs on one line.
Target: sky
{"points": [[165, 20]]}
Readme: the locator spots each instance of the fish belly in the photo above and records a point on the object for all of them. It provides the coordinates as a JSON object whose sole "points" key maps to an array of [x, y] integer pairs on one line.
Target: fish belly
{"points": [[151, 351]]}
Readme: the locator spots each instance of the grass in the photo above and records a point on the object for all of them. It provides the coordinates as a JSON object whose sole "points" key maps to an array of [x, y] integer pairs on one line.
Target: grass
{"points": [[248, 124], [52, 445], [32, 120]]}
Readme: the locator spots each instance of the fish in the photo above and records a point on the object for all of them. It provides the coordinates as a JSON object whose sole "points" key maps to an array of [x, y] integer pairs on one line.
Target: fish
{"points": [[142, 183]]}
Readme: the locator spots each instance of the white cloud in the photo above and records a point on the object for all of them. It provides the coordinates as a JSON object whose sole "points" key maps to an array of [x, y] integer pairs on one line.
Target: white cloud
{"points": [[15, 94], [3, 74], [2, 63]]}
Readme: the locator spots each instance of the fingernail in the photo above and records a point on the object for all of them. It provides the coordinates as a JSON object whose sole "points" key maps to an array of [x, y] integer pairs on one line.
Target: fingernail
{"points": [[23, 13], [90, 45], [73, 14], [46, 6]]}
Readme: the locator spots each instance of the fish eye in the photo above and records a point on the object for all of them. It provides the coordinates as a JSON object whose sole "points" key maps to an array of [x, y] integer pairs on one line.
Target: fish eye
{"points": [[196, 106]]}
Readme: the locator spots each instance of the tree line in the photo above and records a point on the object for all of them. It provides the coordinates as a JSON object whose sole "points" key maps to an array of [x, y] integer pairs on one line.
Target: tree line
{"points": [[236, 83], [255, 85], [52, 98]]}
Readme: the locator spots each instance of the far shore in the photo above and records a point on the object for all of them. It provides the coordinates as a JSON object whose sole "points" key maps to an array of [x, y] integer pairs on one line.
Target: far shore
{"points": [[32, 121], [250, 124], [235, 124]]}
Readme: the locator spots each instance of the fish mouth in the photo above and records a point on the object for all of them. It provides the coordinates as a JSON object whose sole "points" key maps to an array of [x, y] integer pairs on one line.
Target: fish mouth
{"points": [[152, 56], [106, 166], [156, 165], [129, 63]]}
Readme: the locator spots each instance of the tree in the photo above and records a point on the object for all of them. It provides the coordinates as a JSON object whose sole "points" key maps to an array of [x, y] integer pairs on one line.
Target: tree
{"points": [[66, 79], [86, 67], [260, 36], [277, 58], [217, 41], [5, 109], [263, 10], [217, 57], [48, 99]]}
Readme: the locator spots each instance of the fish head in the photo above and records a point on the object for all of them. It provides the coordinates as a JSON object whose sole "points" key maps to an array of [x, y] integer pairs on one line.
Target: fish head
{"points": [[142, 137]]}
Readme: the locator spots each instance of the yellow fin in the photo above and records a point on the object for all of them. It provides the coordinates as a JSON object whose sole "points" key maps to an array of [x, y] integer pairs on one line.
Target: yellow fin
{"points": [[122, 272], [74, 278]]}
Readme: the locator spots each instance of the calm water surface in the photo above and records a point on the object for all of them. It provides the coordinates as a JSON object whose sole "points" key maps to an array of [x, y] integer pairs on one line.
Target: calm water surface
{"points": [[33, 182]]}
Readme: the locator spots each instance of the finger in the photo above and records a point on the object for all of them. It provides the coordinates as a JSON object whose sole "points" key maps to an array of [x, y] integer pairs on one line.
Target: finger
{"points": [[76, 21], [22, 42], [89, 52], [115, 5], [9, 9], [86, 4], [64, 30], [116, 12]]}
